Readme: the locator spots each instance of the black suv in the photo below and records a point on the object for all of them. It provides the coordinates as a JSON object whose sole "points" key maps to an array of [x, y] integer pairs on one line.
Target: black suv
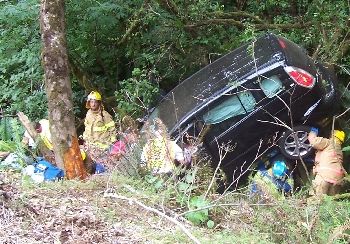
{"points": [[266, 92]]}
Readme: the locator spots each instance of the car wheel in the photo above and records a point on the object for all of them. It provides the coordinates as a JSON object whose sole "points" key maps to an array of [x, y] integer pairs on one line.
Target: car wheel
{"points": [[295, 144]]}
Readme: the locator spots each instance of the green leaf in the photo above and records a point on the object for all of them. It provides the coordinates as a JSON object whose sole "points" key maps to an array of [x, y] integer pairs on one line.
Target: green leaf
{"points": [[190, 177], [210, 224], [183, 187], [197, 218], [200, 216], [158, 184], [346, 149]]}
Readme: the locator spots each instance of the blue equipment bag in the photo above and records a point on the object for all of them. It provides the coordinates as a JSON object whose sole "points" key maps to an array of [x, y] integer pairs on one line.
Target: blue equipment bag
{"points": [[99, 168], [50, 171]]}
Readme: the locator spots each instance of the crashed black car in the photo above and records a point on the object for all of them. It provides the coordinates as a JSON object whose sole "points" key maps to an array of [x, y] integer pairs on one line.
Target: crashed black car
{"points": [[266, 92]]}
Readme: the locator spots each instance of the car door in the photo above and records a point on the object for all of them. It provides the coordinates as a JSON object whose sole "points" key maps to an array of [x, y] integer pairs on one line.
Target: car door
{"points": [[233, 122], [248, 134]]}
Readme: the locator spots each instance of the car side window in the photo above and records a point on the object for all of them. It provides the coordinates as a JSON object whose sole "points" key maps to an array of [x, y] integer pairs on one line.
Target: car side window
{"points": [[230, 107], [271, 86]]}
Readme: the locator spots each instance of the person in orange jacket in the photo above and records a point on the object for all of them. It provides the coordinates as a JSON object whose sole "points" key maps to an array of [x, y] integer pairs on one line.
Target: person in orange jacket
{"points": [[328, 170]]}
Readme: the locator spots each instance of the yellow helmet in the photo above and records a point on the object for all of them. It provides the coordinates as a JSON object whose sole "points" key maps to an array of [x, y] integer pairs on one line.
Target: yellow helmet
{"points": [[94, 95], [340, 135], [83, 154]]}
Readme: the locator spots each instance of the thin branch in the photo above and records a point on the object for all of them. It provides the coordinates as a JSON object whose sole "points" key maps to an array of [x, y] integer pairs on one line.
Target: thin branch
{"points": [[338, 116], [224, 205], [238, 14], [137, 22], [240, 25], [221, 149], [173, 220], [169, 6]]}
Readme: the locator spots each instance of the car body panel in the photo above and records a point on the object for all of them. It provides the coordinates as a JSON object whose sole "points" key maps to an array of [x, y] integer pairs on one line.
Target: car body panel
{"points": [[244, 70]]}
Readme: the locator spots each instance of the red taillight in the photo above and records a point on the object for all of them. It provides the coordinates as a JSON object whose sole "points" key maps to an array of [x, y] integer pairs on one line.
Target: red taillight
{"points": [[300, 76], [282, 43]]}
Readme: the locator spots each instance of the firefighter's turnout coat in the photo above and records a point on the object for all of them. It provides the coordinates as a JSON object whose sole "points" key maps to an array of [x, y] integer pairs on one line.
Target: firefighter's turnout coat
{"points": [[329, 171], [100, 129]]}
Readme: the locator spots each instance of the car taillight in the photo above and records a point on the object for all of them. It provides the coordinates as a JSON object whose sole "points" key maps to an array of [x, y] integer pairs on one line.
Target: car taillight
{"points": [[300, 76], [282, 43]]}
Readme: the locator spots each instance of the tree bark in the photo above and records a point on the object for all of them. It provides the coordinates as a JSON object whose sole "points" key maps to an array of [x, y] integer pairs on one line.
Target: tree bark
{"points": [[58, 89]]}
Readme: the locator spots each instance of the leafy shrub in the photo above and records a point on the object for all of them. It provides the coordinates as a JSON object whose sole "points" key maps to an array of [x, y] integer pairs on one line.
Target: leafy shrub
{"points": [[137, 93], [200, 216], [21, 74]]}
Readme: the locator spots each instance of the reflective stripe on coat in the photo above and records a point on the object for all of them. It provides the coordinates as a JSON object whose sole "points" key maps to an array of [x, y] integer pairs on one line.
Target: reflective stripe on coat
{"points": [[328, 159], [100, 129]]}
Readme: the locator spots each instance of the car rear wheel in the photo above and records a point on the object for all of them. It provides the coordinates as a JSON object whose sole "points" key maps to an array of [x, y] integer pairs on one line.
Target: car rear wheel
{"points": [[295, 144]]}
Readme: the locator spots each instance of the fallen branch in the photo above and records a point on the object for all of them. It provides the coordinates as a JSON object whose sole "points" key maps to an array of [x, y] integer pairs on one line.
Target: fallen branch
{"points": [[46, 152], [173, 220], [340, 232], [226, 205], [27, 124]]}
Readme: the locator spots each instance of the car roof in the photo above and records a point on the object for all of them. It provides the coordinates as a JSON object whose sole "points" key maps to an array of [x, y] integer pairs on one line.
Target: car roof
{"points": [[216, 77]]}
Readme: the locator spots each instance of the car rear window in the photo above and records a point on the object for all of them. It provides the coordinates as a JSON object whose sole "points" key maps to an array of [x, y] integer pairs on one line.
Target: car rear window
{"points": [[271, 86], [232, 106]]}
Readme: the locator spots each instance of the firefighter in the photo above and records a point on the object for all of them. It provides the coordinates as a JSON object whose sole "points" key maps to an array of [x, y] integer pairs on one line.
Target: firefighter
{"points": [[43, 129], [328, 169], [100, 128], [272, 182]]}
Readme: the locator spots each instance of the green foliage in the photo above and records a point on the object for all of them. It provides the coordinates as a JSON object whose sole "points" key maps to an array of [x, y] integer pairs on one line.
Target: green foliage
{"points": [[108, 40], [332, 216], [156, 181], [137, 93], [346, 149], [210, 224], [6, 146], [184, 186], [5, 129], [11, 133], [10, 129], [200, 216], [21, 75]]}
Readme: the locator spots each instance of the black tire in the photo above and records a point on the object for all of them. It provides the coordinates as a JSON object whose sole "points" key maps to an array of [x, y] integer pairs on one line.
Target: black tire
{"points": [[294, 144]]}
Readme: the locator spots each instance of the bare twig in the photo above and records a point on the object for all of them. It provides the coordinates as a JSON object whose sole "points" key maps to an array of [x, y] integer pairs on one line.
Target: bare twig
{"points": [[222, 156], [339, 232], [257, 156], [173, 220], [224, 205], [338, 116]]}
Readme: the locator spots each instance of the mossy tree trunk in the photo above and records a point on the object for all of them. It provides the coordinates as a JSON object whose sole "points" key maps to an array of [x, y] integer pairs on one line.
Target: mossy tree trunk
{"points": [[58, 89]]}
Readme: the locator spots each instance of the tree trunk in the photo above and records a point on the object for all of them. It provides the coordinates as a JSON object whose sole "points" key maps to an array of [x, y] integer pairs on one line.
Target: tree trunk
{"points": [[58, 89]]}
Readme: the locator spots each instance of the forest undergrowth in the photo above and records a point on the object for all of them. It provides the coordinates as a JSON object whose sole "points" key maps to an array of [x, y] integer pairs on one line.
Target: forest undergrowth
{"points": [[119, 207]]}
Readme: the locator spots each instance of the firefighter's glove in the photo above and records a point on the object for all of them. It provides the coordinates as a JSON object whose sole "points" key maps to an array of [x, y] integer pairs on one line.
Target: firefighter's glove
{"points": [[314, 130]]}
